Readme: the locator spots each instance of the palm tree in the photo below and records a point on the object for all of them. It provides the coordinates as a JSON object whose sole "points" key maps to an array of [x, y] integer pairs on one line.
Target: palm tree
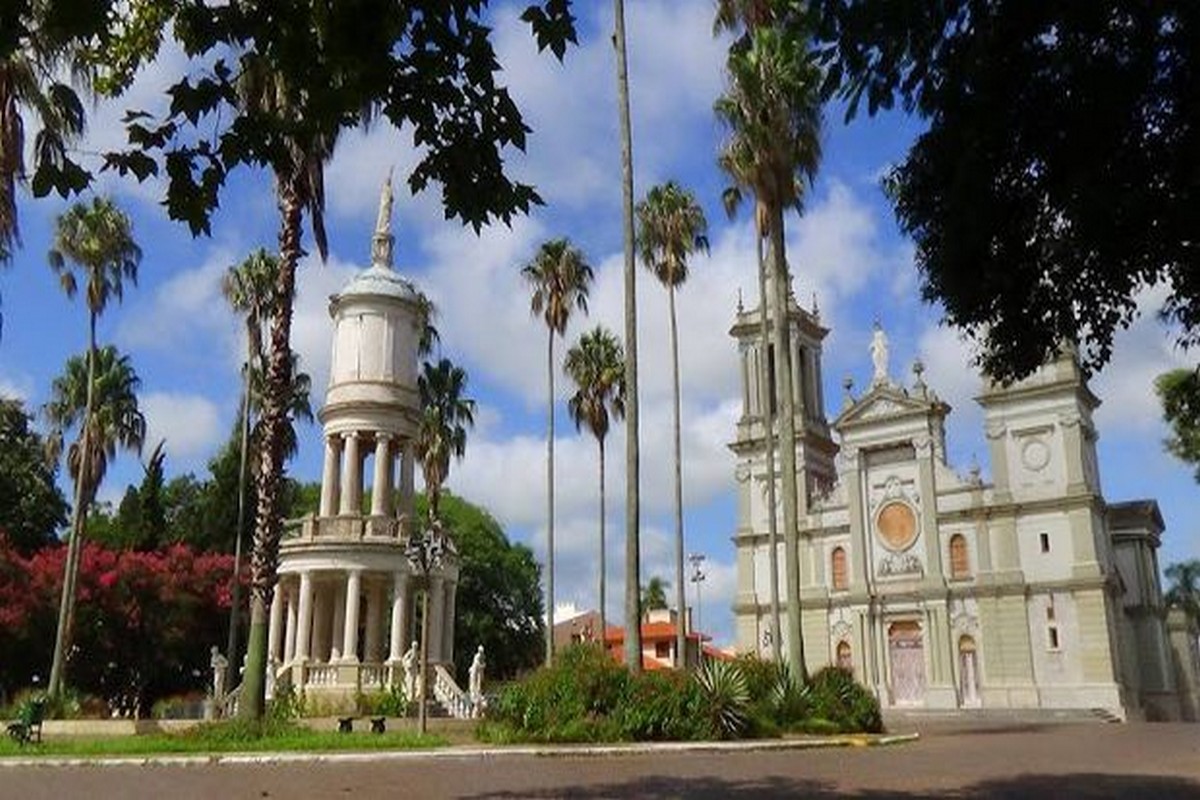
{"points": [[671, 227], [773, 109], [97, 393], [298, 153], [654, 593], [97, 241], [249, 288], [446, 413], [597, 366], [1185, 586], [737, 162], [27, 84], [560, 276], [633, 450]]}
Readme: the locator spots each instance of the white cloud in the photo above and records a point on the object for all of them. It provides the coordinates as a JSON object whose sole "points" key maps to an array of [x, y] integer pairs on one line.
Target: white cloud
{"points": [[1141, 353], [16, 387], [185, 311], [190, 424]]}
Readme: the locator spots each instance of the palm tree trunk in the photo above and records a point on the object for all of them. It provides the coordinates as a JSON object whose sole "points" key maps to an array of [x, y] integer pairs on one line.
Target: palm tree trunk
{"points": [[550, 501], [603, 569], [264, 559], [235, 607], [680, 597], [633, 569], [66, 606], [768, 415], [787, 436]]}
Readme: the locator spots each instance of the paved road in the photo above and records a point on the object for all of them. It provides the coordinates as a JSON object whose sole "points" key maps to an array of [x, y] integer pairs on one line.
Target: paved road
{"points": [[1089, 761]]}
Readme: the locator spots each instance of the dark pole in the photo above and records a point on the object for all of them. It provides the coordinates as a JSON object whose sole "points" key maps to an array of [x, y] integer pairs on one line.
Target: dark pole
{"points": [[231, 646]]}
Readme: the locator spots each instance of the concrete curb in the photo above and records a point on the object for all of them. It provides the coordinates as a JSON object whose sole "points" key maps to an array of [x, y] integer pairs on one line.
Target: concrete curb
{"points": [[462, 753]]}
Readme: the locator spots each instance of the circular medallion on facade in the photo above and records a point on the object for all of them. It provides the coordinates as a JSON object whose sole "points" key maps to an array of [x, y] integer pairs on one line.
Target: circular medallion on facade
{"points": [[1035, 455], [896, 525]]}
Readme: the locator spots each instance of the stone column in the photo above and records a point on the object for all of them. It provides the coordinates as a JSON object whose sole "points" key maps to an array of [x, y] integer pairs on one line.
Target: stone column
{"points": [[304, 625], [330, 477], [448, 628], [437, 616], [351, 469], [275, 631], [374, 643], [397, 645], [380, 488], [350, 623], [407, 480], [289, 639], [337, 621]]}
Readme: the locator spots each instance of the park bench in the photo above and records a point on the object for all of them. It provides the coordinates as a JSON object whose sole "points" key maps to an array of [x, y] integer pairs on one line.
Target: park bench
{"points": [[346, 724], [28, 725]]}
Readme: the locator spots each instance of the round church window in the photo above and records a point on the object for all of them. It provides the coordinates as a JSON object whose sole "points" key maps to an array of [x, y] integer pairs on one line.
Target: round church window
{"points": [[896, 525]]}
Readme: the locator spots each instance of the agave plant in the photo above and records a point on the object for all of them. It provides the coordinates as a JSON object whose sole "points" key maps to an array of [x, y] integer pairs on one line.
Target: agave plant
{"points": [[789, 696], [726, 696]]}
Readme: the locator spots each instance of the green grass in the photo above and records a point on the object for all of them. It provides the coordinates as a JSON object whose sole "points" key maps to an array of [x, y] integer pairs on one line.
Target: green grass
{"points": [[222, 738]]}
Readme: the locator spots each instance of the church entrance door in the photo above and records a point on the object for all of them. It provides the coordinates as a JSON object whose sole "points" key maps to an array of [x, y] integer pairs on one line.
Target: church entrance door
{"points": [[906, 648]]}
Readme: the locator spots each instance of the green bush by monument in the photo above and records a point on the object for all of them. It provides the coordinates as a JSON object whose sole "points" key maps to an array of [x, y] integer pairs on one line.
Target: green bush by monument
{"points": [[587, 697]]}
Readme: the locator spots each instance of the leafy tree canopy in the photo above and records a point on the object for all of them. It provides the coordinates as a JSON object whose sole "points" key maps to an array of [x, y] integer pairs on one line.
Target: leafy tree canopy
{"points": [[499, 601], [1060, 173], [427, 66], [1179, 392], [1185, 585], [32, 508]]}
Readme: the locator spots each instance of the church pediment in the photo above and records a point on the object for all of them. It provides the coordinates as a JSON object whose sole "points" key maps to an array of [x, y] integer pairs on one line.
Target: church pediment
{"points": [[883, 402]]}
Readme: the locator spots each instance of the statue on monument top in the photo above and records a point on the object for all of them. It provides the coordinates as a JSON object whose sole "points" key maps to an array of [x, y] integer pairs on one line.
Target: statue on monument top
{"points": [[382, 241], [879, 355]]}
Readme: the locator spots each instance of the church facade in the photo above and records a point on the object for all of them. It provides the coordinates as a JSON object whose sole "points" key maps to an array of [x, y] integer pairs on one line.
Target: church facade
{"points": [[940, 589]]}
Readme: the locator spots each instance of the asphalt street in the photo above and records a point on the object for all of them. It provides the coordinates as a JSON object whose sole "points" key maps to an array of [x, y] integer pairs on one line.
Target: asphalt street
{"points": [[1019, 761]]}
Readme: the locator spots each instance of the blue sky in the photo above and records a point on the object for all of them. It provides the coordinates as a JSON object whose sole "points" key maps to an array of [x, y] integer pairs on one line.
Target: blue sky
{"points": [[185, 344]]}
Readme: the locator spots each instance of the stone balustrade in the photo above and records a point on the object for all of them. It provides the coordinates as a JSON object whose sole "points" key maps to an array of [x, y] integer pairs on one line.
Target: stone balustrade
{"points": [[313, 529]]}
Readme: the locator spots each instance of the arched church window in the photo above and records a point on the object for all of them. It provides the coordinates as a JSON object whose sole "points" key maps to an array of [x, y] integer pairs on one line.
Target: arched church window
{"points": [[960, 562], [837, 569]]}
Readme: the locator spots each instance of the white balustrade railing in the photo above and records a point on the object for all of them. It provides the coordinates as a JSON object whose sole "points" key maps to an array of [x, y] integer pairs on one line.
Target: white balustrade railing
{"points": [[373, 675], [453, 699], [321, 675]]}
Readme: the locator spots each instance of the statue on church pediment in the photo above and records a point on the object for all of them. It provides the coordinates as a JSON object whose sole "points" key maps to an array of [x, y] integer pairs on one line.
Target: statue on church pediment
{"points": [[879, 355]]}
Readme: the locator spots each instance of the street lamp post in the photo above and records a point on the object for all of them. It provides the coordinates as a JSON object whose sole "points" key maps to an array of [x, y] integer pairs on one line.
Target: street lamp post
{"points": [[425, 552], [697, 577]]}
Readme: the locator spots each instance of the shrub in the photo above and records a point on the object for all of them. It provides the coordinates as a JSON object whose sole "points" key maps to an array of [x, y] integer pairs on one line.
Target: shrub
{"points": [[835, 696], [570, 701], [664, 705], [726, 697], [286, 704], [389, 702]]}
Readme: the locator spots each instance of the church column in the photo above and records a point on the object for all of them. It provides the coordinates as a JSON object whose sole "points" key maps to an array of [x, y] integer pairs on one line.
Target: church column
{"points": [[275, 631], [451, 590], [330, 478], [351, 469], [397, 645], [437, 616], [744, 361], [373, 645], [304, 626], [350, 616], [289, 638], [381, 488]]}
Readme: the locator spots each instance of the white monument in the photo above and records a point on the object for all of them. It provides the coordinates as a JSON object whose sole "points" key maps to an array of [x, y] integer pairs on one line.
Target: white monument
{"points": [[343, 607]]}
